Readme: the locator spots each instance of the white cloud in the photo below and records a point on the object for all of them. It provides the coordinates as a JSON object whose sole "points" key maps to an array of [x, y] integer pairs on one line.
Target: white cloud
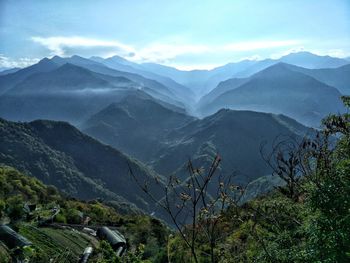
{"points": [[255, 45], [6, 62], [161, 52], [194, 66], [59, 45]]}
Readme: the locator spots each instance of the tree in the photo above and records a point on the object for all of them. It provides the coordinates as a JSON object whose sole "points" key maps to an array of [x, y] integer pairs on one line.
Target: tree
{"points": [[194, 212]]}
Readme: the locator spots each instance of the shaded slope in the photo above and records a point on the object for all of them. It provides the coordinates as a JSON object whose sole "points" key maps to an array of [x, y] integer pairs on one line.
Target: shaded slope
{"points": [[59, 154], [235, 135], [136, 125]]}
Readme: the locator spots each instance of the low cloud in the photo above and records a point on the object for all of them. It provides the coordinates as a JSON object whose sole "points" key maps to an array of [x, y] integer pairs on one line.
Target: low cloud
{"points": [[255, 45], [7, 62]]}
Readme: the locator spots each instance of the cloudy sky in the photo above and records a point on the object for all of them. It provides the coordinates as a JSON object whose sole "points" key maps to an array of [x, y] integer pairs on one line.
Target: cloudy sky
{"points": [[183, 33]]}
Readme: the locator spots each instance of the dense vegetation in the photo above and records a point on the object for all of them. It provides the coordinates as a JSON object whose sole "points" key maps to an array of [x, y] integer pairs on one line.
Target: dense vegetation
{"points": [[59, 154], [146, 236], [307, 220]]}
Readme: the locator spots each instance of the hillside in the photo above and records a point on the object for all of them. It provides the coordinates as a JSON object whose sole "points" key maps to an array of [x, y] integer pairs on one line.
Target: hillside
{"points": [[58, 154], [169, 139], [132, 122], [55, 243], [236, 135], [281, 90]]}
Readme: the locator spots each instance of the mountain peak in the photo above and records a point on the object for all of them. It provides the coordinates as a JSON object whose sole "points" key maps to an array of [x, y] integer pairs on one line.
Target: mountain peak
{"points": [[276, 70], [45, 61]]}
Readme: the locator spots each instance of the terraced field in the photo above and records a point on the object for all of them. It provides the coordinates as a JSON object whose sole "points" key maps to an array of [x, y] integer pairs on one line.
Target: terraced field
{"points": [[61, 245]]}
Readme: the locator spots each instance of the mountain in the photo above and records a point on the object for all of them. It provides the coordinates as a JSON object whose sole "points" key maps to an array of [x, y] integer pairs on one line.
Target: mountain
{"points": [[236, 135], [309, 60], [66, 78], [154, 87], [203, 81], [8, 81], [281, 90], [221, 88], [184, 94], [59, 154], [165, 140], [335, 77], [6, 71], [136, 125], [68, 92], [301, 59]]}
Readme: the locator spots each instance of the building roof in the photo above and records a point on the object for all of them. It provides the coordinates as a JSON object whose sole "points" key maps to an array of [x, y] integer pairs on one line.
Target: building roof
{"points": [[113, 236], [11, 238]]}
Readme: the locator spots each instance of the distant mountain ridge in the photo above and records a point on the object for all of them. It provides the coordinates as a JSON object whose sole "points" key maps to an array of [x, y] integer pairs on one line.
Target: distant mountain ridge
{"points": [[205, 80], [65, 92], [74, 88], [277, 89]]}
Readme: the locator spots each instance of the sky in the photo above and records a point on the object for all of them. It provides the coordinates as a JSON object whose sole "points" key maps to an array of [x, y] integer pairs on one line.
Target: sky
{"points": [[186, 34]]}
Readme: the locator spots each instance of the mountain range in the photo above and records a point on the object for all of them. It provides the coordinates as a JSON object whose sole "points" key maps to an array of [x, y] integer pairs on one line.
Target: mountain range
{"points": [[51, 87], [156, 118]]}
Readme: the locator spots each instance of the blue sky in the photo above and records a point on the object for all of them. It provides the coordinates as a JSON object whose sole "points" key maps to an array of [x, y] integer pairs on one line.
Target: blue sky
{"points": [[186, 34]]}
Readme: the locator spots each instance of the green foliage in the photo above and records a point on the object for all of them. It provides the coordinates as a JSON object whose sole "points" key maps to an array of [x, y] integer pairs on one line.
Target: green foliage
{"points": [[329, 227], [314, 226], [146, 235]]}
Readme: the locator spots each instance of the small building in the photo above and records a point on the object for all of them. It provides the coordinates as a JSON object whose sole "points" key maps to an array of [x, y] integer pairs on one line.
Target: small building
{"points": [[114, 238], [12, 239]]}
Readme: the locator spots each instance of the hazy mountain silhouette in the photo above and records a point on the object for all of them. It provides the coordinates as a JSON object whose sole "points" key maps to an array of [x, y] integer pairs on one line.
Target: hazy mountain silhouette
{"points": [[203, 81], [335, 77], [155, 88], [6, 71], [278, 89], [184, 94], [68, 92]]}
